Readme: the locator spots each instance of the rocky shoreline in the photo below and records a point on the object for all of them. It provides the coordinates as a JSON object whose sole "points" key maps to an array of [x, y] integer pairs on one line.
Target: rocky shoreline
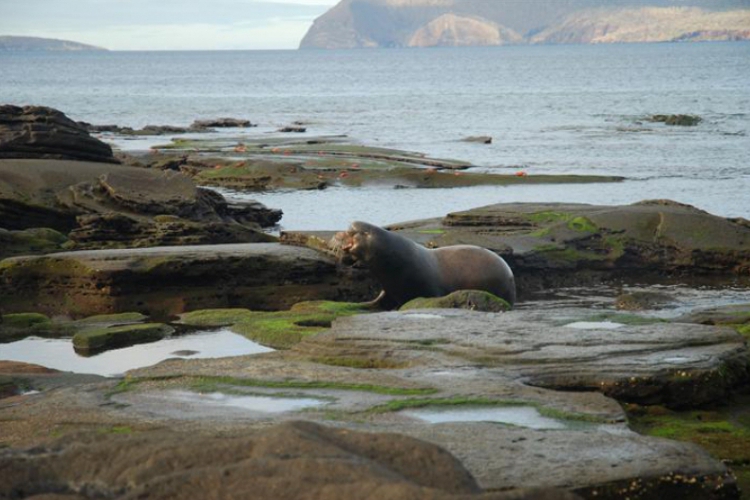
{"points": [[628, 388]]}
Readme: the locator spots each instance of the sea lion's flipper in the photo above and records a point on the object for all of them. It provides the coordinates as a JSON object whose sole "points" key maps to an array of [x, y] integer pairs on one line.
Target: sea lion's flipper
{"points": [[379, 303]]}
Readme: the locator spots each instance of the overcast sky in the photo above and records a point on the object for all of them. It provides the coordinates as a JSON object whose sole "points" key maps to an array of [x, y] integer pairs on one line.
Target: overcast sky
{"points": [[165, 24]]}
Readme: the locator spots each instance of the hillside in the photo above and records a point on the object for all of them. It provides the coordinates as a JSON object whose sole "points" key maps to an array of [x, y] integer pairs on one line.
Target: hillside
{"points": [[429, 23], [28, 43]]}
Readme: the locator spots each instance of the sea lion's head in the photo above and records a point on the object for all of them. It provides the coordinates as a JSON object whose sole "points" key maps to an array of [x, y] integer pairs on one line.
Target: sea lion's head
{"points": [[356, 244]]}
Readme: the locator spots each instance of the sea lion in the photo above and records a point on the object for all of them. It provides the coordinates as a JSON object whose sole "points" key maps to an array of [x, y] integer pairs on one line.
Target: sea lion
{"points": [[407, 270]]}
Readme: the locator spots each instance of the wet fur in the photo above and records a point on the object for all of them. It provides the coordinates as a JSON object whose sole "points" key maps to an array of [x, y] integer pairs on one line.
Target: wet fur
{"points": [[407, 270]]}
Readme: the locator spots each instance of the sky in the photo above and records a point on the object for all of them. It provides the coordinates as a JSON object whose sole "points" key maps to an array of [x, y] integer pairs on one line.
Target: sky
{"points": [[165, 24]]}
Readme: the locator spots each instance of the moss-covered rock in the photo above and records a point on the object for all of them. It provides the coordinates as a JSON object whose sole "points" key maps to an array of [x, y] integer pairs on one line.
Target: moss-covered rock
{"points": [[100, 339], [31, 241], [731, 315], [278, 330], [474, 300], [678, 120], [23, 320], [111, 319], [638, 301], [724, 431]]}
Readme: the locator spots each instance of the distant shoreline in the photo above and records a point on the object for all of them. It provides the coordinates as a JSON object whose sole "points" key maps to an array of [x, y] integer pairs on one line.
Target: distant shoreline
{"points": [[36, 44]]}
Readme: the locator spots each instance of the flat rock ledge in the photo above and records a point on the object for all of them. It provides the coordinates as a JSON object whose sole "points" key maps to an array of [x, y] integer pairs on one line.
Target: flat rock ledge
{"points": [[568, 370], [674, 364], [165, 281], [317, 462]]}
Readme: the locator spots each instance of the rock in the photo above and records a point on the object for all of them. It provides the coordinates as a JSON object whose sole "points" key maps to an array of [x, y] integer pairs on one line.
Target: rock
{"points": [[638, 301], [473, 300], [293, 128], [8, 387], [482, 139], [31, 241], [101, 205], [735, 314], [147, 130], [101, 339], [41, 132], [293, 461], [164, 281], [18, 368], [676, 365], [221, 123], [115, 230], [679, 120], [551, 244]]}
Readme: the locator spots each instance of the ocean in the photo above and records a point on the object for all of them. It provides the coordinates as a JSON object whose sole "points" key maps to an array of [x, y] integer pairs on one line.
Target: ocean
{"points": [[550, 109]]}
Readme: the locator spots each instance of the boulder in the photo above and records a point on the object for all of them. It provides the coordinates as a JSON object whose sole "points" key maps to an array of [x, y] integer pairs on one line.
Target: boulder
{"points": [[41, 132], [293, 128], [679, 120], [473, 300], [165, 281], [101, 339], [221, 123], [296, 460], [97, 205], [481, 139]]}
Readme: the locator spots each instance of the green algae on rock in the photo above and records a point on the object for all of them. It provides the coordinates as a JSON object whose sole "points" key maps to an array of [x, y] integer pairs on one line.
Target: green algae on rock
{"points": [[166, 281], [474, 300], [678, 120], [101, 339], [278, 330], [723, 431]]}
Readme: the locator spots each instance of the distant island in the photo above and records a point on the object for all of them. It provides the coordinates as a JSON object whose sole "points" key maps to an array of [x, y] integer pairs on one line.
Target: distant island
{"points": [[30, 43], [453, 23]]}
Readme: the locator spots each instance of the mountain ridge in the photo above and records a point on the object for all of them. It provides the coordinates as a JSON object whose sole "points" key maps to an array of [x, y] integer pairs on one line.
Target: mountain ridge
{"points": [[30, 43], [428, 23]]}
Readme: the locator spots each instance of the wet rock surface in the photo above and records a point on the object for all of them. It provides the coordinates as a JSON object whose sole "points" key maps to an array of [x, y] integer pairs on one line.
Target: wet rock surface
{"points": [[316, 462], [674, 364], [441, 359], [41, 132], [164, 281]]}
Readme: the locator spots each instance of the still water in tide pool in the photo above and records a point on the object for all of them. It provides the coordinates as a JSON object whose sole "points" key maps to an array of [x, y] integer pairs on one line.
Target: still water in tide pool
{"points": [[59, 354]]}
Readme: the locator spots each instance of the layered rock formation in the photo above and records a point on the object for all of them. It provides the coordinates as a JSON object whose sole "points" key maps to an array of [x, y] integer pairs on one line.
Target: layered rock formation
{"points": [[166, 281], [41, 132], [100, 205], [427, 23]]}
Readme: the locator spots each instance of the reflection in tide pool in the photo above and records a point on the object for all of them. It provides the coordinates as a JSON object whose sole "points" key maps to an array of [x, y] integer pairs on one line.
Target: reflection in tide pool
{"points": [[59, 354], [522, 416], [262, 404]]}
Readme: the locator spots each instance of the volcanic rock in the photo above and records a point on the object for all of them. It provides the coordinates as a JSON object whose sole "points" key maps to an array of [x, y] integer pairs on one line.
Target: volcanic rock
{"points": [[221, 123], [101, 205], [41, 132], [295, 460], [165, 281]]}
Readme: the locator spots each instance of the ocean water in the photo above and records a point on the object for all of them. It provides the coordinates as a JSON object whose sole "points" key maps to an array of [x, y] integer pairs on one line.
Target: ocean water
{"points": [[550, 109]]}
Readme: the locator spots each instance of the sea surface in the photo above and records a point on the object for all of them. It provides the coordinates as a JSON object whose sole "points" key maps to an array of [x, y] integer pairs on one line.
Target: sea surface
{"points": [[550, 109]]}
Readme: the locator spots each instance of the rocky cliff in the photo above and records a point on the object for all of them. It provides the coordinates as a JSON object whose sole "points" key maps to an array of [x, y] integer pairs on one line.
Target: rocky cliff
{"points": [[430, 23]]}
